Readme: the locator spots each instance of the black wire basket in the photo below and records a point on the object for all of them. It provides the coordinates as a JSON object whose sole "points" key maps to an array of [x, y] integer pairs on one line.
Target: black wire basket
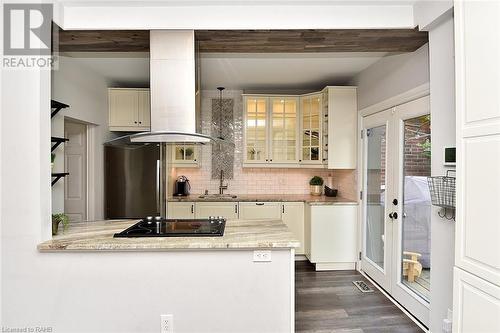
{"points": [[442, 190]]}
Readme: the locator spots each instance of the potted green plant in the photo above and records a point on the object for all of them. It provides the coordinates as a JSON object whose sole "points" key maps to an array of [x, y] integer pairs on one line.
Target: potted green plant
{"points": [[56, 220], [189, 153], [316, 184]]}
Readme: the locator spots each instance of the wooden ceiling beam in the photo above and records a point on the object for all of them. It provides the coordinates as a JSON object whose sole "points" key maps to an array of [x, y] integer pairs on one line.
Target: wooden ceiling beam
{"points": [[253, 41]]}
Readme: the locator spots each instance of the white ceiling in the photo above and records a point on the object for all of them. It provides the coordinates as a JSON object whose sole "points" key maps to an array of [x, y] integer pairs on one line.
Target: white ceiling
{"points": [[296, 71], [282, 71]]}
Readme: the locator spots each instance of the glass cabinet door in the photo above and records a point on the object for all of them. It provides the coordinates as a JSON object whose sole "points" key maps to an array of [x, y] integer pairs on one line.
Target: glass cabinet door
{"points": [[184, 154], [311, 128], [256, 129], [283, 129]]}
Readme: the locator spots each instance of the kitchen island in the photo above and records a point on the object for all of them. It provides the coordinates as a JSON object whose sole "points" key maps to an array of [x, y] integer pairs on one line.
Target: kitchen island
{"points": [[208, 284]]}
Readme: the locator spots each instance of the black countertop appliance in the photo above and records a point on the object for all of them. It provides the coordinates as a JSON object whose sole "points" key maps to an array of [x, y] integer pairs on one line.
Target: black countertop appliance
{"points": [[182, 186]]}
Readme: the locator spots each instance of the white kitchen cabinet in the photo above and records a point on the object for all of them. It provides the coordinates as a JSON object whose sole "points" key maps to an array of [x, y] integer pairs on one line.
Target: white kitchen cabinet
{"points": [[330, 236], [476, 304], [180, 210], [292, 214], [255, 129], [129, 109], [260, 210], [342, 111], [228, 210], [476, 292], [311, 129], [283, 113], [271, 129], [144, 108], [185, 156], [317, 130]]}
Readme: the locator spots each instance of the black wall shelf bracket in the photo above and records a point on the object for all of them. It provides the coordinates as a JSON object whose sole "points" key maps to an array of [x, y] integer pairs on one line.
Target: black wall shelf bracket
{"points": [[57, 142], [58, 176], [56, 107]]}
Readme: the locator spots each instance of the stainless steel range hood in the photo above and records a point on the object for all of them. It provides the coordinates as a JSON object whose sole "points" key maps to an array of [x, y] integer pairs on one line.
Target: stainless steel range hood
{"points": [[174, 116]]}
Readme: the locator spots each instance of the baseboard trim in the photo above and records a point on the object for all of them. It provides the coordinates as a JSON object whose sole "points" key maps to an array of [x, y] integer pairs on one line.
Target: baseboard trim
{"points": [[300, 257], [335, 266]]}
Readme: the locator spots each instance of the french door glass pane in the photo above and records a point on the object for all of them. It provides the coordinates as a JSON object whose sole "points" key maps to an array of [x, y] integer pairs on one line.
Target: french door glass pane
{"points": [[375, 170], [416, 232]]}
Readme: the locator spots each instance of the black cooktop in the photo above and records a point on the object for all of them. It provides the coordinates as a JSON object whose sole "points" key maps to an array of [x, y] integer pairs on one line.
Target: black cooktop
{"points": [[159, 227]]}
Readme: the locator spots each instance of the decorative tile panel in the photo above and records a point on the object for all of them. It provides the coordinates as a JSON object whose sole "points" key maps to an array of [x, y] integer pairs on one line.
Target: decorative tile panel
{"points": [[222, 127]]}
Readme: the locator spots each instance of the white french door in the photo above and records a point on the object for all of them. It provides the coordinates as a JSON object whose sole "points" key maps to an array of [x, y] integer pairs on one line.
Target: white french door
{"points": [[396, 203], [377, 236]]}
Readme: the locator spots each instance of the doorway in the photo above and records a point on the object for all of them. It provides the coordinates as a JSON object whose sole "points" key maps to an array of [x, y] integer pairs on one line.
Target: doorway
{"points": [[396, 203], [75, 160]]}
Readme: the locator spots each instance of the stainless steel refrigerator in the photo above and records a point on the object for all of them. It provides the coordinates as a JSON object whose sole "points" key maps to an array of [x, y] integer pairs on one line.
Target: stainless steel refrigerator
{"points": [[134, 180]]}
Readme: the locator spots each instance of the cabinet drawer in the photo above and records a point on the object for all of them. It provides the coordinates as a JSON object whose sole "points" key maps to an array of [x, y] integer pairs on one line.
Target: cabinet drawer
{"points": [[260, 210], [228, 210]]}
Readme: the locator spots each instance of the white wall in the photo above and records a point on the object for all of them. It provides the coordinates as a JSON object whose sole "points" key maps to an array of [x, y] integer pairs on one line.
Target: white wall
{"points": [[85, 91], [442, 86], [391, 76]]}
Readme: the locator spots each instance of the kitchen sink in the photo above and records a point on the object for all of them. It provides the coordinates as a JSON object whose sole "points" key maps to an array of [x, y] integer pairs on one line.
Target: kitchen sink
{"points": [[218, 196]]}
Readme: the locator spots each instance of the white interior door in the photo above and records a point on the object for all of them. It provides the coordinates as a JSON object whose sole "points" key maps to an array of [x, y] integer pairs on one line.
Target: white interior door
{"points": [[75, 159], [412, 208], [376, 258]]}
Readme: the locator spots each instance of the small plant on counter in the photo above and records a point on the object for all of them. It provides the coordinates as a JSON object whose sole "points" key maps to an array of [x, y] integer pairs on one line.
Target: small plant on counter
{"points": [[52, 159], [59, 218], [316, 184]]}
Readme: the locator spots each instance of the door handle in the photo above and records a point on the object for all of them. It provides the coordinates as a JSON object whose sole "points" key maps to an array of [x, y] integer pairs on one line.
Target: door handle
{"points": [[259, 203]]}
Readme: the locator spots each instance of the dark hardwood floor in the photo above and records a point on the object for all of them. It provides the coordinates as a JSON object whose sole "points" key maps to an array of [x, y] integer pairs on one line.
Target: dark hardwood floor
{"points": [[329, 302]]}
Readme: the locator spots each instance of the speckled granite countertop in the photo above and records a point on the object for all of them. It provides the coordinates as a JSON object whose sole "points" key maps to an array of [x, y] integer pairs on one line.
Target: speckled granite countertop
{"points": [[238, 234], [310, 199]]}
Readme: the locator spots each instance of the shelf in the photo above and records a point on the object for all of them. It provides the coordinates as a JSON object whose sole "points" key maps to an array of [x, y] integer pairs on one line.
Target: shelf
{"points": [[56, 106], [57, 176], [57, 142]]}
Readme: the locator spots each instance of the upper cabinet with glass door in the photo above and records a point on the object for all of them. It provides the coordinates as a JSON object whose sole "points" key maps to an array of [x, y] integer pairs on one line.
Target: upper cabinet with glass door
{"points": [[317, 130], [311, 130], [185, 155], [284, 130], [256, 129]]}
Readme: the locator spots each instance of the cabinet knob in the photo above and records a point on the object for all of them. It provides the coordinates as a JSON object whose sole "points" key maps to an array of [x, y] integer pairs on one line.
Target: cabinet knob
{"points": [[140, 122], [135, 122]]}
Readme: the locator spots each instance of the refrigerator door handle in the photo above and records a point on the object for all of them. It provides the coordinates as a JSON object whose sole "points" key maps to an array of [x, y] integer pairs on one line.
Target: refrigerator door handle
{"points": [[158, 187]]}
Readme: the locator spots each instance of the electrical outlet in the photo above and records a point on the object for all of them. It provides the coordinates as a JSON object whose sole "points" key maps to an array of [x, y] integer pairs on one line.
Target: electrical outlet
{"points": [[167, 323], [262, 256]]}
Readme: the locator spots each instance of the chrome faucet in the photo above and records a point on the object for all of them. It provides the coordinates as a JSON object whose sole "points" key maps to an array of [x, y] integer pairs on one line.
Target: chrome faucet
{"points": [[222, 187]]}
